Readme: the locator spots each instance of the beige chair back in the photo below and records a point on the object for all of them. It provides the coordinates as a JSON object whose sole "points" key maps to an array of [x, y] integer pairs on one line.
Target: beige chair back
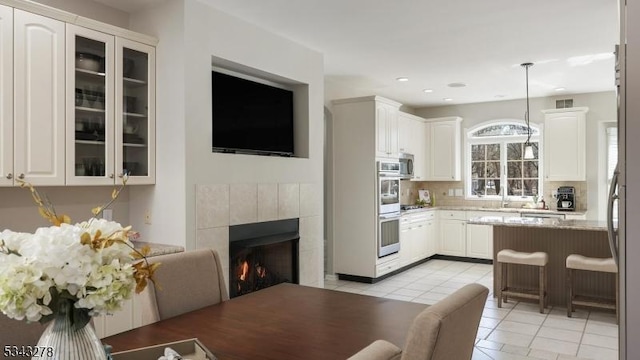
{"points": [[187, 281], [447, 330], [19, 333]]}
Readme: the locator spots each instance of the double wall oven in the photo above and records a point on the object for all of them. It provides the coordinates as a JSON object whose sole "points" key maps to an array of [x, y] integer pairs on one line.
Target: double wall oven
{"points": [[388, 195]]}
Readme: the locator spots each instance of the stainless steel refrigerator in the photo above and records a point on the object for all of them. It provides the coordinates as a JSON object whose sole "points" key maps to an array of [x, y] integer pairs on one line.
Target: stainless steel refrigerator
{"points": [[628, 189]]}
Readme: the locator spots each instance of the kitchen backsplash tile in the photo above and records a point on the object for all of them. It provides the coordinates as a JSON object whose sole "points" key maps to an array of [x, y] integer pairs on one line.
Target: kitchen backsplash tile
{"points": [[440, 190]]}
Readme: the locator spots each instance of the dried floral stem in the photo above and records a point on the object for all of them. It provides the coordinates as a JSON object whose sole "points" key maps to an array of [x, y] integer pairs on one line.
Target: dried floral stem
{"points": [[114, 195]]}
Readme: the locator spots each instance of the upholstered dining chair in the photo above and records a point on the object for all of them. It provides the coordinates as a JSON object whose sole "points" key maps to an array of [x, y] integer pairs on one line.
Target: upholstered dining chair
{"points": [[185, 281], [444, 331], [19, 333]]}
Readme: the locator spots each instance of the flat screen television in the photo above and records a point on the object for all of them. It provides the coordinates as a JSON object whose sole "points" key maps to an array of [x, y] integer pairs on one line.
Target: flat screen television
{"points": [[251, 117]]}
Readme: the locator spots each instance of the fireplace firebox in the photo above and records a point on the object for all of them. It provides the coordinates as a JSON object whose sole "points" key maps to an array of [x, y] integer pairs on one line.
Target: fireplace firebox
{"points": [[262, 255]]}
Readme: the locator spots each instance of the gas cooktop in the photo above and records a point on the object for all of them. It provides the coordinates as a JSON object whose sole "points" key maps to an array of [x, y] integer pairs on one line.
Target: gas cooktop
{"points": [[410, 207]]}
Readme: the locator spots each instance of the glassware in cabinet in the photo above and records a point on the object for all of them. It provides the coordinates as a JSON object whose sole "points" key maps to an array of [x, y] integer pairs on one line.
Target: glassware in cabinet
{"points": [[89, 107], [136, 151]]}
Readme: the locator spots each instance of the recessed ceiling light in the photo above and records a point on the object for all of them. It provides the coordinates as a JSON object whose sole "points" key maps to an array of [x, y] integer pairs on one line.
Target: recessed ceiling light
{"points": [[447, 99], [560, 89], [428, 90], [500, 96], [457, 85], [402, 79]]}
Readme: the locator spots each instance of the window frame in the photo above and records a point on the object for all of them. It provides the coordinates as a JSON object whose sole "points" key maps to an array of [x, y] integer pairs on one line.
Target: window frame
{"points": [[503, 140]]}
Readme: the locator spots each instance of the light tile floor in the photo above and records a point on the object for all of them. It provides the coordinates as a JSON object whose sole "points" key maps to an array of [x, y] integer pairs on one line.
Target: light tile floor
{"points": [[517, 331]]}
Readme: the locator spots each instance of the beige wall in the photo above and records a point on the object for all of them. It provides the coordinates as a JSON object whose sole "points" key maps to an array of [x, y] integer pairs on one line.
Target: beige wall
{"points": [[19, 212]]}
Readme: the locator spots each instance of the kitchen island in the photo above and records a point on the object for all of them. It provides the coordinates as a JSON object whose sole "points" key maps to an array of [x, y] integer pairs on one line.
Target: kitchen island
{"points": [[558, 238]]}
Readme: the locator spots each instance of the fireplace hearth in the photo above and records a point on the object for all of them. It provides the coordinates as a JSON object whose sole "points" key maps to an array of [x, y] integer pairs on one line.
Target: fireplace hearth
{"points": [[262, 255]]}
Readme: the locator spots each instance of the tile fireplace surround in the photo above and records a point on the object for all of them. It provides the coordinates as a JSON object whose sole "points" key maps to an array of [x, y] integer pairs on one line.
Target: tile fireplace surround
{"points": [[220, 205]]}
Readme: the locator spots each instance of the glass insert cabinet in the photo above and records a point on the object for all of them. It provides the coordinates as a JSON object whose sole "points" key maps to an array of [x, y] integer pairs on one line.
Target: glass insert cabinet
{"points": [[110, 109]]}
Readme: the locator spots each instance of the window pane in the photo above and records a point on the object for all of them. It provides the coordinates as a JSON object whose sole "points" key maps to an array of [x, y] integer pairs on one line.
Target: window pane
{"points": [[493, 152], [530, 187], [503, 130], [514, 151], [477, 187], [515, 187], [477, 152], [477, 170], [493, 169], [530, 169], [514, 169], [493, 186]]}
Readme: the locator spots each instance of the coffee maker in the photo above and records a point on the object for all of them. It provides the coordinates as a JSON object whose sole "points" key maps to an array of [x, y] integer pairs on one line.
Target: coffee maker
{"points": [[566, 198]]}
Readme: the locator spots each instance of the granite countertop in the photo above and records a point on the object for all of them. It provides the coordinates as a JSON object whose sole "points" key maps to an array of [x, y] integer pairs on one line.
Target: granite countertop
{"points": [[158, 249], [482, 208], [540, 223]]}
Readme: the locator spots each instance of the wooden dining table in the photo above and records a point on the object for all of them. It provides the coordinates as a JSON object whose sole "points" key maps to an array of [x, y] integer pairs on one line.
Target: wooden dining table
{"points": [[283, 322]]}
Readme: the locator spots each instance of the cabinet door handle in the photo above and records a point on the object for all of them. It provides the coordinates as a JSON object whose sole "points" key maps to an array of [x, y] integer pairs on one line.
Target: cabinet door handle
{"points": [[9, 176], [111, 176], [121, 175], [21, 176]]}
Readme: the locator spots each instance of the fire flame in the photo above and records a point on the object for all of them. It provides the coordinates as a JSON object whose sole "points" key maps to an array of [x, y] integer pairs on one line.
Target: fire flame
{"points": [[262, 271], [244, 271]]}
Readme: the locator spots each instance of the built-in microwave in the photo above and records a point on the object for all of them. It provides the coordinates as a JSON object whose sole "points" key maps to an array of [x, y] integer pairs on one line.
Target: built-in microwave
{"points": [[406, 166]]}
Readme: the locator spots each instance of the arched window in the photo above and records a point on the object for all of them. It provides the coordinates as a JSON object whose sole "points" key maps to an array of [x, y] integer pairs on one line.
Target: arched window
{"points": [[495, 161]]}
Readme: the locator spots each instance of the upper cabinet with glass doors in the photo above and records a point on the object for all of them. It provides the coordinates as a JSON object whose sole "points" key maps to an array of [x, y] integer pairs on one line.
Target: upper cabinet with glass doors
{"points": [[135, 109], [110, 102]]}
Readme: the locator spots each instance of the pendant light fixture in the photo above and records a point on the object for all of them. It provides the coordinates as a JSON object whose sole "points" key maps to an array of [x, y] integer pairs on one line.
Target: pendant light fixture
{"points": [[528, 148]]}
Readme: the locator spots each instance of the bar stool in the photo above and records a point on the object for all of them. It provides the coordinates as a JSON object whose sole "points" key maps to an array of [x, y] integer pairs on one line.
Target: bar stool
{"points": [[539, 259], [579, 262]]}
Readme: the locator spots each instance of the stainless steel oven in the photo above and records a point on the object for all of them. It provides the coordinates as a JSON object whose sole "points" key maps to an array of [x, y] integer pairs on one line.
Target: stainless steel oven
{"points": [[388, 195], [388, 187], [388, 234]]}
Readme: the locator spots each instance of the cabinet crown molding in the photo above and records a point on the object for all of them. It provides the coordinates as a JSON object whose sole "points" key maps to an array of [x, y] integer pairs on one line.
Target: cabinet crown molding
{"points": [[446, 118], [70, 18], [365, 99], [583, 109]]}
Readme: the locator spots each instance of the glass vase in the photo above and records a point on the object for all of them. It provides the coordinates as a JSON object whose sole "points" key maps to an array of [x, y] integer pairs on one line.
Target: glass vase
{"points": [[62, 341]]}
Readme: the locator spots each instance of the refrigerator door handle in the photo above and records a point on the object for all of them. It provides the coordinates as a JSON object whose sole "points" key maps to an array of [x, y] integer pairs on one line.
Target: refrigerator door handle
{"points": [[611, 231]]}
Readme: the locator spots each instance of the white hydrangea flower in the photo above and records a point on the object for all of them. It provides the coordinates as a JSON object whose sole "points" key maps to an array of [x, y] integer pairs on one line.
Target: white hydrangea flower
{"points": [[55, 258]]}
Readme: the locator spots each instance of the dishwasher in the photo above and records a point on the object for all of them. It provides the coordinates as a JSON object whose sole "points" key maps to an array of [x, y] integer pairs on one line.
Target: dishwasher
{"points": [[542, 215]]}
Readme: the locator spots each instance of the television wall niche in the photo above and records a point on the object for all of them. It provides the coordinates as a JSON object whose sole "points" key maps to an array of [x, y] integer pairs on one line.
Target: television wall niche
{"points": [[256, 116]]}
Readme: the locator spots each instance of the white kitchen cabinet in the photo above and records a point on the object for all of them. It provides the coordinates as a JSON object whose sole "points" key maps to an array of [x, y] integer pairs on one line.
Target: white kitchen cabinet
{"points": [[90, 107], [127, 318], [355, 213], [413, 140], [6, 96], [479, 239], [406, 241], [135, 111], [444, 149], [386, 130], [432, 237], [110, 117], [417, 240], [452, 233], [39, 99], [405, 144], [565, 144]]}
